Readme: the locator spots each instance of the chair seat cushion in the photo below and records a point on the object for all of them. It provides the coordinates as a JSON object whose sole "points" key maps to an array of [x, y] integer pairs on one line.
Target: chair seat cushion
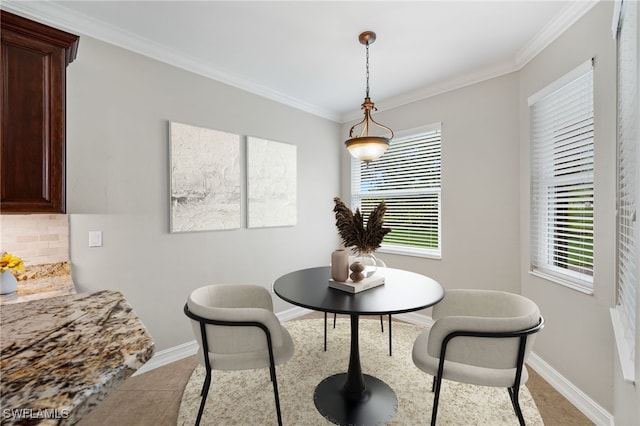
{"points": [[462, 373], [251, 360]]}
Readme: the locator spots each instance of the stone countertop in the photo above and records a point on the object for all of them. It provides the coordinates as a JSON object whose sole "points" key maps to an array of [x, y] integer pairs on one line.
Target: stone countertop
{"points": [[61, 356], [41, 282]]}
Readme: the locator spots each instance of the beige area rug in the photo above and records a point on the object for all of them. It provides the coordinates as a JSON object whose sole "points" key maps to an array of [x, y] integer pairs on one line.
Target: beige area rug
{"points": [[246, 397]]}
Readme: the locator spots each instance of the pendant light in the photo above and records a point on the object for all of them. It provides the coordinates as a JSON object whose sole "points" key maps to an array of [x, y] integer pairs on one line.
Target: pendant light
{"points": [[366, 147]]}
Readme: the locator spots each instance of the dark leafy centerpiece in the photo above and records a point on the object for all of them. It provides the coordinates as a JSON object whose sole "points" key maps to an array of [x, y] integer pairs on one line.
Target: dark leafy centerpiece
{"points": [[362, 240]]}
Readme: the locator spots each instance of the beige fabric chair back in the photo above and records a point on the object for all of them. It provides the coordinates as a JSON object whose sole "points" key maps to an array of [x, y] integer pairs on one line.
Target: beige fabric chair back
{"points": [[482, 310], [234, 302]]}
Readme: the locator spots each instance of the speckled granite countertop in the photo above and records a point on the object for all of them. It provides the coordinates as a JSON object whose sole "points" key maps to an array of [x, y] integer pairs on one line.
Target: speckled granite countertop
{"points": [[61, 356], [41, 282]]}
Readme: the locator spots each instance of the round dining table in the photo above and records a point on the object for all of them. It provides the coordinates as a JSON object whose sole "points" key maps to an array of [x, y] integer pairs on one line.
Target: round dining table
{"points": [[354, 398]]}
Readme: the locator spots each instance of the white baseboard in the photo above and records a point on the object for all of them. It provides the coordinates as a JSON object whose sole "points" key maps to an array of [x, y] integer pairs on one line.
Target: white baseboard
{"points": [[167, 356], [292, 313], [582, 402], [415, 318]]}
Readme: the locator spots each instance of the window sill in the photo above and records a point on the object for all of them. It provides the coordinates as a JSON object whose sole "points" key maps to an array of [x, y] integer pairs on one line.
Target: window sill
{"points": [[623, 344], [565, 283], [409, 252]]}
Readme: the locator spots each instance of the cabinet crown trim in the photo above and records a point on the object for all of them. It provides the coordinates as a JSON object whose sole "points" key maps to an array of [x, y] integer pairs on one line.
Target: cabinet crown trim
{"points": [[35, 30]]}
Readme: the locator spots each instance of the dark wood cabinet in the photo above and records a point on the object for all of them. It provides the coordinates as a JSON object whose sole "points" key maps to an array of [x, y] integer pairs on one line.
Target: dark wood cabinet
{"points": [[32, 95]]}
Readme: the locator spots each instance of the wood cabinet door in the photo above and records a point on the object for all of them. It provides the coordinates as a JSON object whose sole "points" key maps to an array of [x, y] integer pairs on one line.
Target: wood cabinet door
{"points": [[32, 95]]}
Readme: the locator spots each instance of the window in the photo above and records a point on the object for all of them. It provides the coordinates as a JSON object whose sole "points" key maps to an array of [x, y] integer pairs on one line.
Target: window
{"points": [[624, 315], [562, 180], [407, 178]]}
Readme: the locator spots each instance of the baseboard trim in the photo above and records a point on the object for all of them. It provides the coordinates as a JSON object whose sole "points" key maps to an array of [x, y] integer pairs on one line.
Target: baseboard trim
{"points": [[292, 313], [573, 394], [579, 399], [167, 356], [415, 318]]}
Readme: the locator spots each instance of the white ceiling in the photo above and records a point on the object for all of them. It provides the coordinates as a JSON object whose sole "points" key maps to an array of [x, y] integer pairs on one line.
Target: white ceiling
{"points": [[306, 53]]}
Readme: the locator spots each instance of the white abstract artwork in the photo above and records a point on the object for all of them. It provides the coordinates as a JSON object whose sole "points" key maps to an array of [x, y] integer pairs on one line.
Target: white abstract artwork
{"points": [[271, 183], [205, 179]]}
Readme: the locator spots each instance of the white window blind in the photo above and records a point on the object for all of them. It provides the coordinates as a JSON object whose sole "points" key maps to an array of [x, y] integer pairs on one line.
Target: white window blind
{"points": [[562, 180], [407, 178], [627, 190]]}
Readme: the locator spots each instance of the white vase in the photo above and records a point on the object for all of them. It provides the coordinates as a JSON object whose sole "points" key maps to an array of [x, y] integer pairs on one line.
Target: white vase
{"points": [[340, 265], [8, 282]]}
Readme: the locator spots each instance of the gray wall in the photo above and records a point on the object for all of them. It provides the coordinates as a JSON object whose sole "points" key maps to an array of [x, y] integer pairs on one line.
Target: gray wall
{"points": [[480, 212], [119, 104], [576, 322]]}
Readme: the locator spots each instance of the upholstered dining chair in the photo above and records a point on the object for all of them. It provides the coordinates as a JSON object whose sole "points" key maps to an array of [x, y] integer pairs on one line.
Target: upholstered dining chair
{"points": [[236, 329], [479, 337]]}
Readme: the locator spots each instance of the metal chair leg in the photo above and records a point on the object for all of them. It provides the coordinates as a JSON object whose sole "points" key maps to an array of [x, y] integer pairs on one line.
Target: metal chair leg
{"points": [[513, 393], [389, 333], [325, 331], [276, 395], [204, 392], [437, 382], [381, 328]]}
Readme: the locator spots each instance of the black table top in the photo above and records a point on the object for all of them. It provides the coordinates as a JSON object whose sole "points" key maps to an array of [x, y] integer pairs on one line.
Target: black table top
{"points": [[403, 291]]}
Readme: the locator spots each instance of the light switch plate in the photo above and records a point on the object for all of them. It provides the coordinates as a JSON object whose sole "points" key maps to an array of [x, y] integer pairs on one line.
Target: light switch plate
{"points": [[95, 238]]}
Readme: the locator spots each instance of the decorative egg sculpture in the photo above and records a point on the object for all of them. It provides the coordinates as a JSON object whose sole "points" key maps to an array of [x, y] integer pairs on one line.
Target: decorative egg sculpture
{"points": [[356, 272]]}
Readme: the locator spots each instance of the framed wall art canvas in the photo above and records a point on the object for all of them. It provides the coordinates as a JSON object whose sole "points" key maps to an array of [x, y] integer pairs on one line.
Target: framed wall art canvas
{"points": [[205, 179], [271, 183]]}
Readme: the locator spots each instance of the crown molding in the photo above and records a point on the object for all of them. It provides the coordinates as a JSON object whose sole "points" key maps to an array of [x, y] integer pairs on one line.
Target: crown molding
{"points": [[436, 89], [61, 17], [565, 19], [539, 42]]}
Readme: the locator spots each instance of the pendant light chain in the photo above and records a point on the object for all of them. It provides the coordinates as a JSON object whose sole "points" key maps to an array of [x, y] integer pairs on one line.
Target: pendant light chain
{"points": [[366, 147], [367, 48]]}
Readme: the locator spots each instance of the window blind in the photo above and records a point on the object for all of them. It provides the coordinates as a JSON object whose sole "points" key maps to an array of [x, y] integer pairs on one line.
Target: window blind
{"points": [[407, 178], [562, 180], [627, 173]]}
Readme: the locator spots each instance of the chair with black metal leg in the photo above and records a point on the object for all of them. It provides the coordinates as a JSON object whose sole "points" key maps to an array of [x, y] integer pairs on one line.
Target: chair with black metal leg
{"points": [[236, 329], [479, 337]]}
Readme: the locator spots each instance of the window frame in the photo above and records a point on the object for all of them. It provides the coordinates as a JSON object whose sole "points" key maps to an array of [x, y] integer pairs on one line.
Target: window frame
{"points": [[356, 196], [624, 315], [547, 191]]}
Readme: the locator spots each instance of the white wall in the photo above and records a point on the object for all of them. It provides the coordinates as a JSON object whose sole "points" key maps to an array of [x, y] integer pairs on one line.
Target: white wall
{"points": [[578, 339], [118, 107], [480, 211]]}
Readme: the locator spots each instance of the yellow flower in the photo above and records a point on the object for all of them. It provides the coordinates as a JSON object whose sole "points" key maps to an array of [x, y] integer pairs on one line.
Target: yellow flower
{"points": [[9, 261]]}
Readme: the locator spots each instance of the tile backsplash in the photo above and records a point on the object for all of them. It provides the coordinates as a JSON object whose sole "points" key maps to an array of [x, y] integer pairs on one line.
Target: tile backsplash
{"points": [[36, 238]]}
